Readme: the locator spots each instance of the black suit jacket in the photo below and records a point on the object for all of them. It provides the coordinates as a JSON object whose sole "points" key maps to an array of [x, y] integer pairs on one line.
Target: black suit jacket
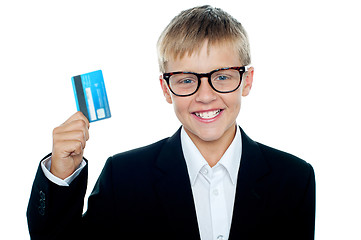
{"points": [[146, 194]]}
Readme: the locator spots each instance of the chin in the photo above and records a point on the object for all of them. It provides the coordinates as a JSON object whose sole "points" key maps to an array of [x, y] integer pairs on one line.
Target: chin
{"points": [[210, 135]]}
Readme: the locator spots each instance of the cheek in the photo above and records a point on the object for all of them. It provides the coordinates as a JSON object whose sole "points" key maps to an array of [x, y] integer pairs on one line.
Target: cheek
{"points": [[180, 106], [234, 101]]}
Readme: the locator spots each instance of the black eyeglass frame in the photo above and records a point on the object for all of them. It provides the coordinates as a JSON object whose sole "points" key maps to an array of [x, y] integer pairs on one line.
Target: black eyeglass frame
{"points": [[166, 77]]}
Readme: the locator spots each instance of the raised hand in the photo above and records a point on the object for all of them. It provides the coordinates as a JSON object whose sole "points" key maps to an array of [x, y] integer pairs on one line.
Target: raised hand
{"points": [[69, 140]]}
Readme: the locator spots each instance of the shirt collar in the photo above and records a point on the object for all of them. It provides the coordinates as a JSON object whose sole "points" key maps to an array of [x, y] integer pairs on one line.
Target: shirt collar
{"points": [[194, 159], [230, 160]]}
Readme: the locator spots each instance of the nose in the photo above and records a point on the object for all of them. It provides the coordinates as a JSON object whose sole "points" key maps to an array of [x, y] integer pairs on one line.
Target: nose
{"points": [[205, 93]]}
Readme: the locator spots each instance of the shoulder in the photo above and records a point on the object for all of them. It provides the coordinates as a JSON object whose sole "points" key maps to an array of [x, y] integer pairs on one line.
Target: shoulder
{"points": [[286, 165], [275, 159], [138, 157], [127, 169], [281, 159]]}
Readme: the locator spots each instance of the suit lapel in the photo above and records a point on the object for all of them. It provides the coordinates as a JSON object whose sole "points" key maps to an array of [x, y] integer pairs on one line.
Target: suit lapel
{"points": [[174, 189], [249, 199]]}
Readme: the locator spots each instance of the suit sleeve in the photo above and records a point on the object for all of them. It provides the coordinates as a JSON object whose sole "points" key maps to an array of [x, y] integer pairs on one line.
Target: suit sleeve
{"points": [[301, 224], [307, 208], [100, 217], [55, 212]]}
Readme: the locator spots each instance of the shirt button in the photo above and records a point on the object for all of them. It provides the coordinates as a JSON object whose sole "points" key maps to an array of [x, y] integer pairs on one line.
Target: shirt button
{"points": [[204, 171], [220, 237], [215, 192]]}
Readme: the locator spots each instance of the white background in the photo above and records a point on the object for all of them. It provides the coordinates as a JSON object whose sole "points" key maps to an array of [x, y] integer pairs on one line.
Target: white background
{"points": [[305, 99]]}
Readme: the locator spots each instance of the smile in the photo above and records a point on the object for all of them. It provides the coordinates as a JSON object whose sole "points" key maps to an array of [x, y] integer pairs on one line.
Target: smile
{"points": [[208, 115]]}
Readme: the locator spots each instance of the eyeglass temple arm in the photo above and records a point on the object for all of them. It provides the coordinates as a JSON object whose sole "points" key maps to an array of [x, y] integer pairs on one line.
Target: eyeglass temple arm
{"points": [[247, 67]]}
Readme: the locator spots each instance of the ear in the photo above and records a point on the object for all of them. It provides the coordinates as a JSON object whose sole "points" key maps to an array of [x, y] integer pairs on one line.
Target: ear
{"points": [[165, 89], [247, 81]]}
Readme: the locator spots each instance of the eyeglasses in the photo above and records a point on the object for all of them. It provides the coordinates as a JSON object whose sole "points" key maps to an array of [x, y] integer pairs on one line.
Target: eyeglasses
{"points": [[223, 80]]}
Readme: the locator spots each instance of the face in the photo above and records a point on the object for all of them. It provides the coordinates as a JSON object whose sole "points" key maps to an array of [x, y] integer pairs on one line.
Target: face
{"points": [[208, 116]]}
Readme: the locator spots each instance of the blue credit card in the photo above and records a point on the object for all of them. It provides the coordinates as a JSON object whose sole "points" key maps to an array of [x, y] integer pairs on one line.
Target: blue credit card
{"points": [[91, 96]]}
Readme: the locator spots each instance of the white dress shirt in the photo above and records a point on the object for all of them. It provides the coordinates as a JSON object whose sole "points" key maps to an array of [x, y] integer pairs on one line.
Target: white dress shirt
{"points": [[45, 166], [213, 188]]}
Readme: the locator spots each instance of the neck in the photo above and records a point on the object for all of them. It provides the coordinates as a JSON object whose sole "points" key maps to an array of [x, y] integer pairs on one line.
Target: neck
{"points": [[212, 151]]}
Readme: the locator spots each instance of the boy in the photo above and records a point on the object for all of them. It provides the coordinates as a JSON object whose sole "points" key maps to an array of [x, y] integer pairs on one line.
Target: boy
{"points": [[208, 181]]}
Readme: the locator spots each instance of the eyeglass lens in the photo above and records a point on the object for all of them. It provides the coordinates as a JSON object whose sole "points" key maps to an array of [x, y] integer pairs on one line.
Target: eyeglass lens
{"points": [[222, 81]]}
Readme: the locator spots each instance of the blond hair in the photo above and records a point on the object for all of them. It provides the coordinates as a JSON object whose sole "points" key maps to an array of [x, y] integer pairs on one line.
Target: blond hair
{"points": [[189, 30]]}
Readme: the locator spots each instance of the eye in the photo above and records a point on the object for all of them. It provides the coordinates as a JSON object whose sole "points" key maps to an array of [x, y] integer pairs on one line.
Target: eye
{"points": [[222, 77], [183, 80], [186, 81]]}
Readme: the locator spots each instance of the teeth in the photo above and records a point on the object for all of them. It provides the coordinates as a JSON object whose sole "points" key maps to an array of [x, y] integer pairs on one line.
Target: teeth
{"points": [[207, 115]]}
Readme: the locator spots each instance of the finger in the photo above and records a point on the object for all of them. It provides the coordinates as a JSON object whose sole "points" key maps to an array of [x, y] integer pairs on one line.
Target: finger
{"points": [[74, 125], [69, 148], [66, 159], [78, 135], [78, 116]]}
